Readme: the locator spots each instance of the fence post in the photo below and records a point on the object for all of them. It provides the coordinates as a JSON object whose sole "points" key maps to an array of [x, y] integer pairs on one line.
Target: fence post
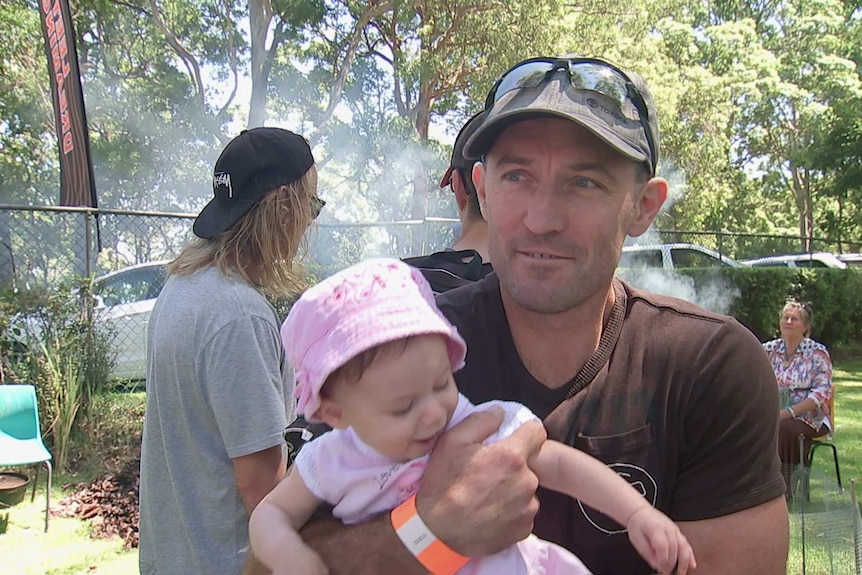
{"points": [[857, 528], [720, 243], [88, 240]]}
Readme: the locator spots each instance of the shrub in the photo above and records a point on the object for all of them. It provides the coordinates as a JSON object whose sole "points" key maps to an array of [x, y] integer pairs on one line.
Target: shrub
{"points": [[49, 338], [762, 292]]}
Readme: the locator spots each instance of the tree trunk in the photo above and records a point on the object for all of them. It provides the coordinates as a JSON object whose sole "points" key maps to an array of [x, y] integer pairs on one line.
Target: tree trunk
{"points": [[419, 204], [259, 20], [803, 206]]}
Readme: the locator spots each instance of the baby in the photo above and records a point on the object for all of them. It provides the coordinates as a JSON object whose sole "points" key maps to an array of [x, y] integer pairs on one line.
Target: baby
{"points": [[374, 359]]}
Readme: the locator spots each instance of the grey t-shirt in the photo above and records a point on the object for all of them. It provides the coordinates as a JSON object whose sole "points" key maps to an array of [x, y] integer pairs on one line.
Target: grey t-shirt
{"points": [[218, 387]]}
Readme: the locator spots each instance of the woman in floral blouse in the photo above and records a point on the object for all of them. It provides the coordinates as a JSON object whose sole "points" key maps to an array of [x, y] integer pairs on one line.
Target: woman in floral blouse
{"points": [[803, 369]]}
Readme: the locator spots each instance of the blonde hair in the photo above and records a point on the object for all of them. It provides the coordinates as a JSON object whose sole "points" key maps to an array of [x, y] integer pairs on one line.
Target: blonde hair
{"points": [[261, 246], [804, 314]]}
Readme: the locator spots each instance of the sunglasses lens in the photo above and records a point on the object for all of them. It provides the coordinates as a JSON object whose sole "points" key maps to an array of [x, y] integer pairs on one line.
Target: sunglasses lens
{"points": [[591, 76], [601, 79], [527, 75], [316, 206]]}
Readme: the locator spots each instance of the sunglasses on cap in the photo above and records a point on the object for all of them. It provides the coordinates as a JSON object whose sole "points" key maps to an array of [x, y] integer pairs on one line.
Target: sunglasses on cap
{"points": [[584, 74]]}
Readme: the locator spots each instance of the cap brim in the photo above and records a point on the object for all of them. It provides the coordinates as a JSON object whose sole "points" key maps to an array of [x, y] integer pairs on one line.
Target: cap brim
{"points": [[447, 177], [484, 139], [548, 102], [216, 217]]}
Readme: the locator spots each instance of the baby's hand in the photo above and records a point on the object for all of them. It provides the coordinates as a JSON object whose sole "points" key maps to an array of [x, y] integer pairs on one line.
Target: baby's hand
{"points": [[660, 542], [304, 562]]}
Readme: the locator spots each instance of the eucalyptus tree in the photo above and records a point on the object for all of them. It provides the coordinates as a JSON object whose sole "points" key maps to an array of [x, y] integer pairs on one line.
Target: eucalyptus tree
{"points": [[367, 80], [787, 74]]}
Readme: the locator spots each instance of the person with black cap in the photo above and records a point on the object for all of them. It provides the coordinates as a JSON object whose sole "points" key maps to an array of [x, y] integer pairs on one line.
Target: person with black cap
{"points": [[568, 154], [219, 392], [467, 261]]}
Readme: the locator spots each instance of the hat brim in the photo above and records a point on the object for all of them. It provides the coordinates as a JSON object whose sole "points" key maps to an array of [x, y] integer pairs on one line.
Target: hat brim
{"points": [[550, 102], [217, 217], [447, 177]]}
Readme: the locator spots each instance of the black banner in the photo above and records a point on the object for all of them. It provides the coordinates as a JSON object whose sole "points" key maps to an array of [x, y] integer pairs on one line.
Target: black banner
{"points": [[77, 184]]}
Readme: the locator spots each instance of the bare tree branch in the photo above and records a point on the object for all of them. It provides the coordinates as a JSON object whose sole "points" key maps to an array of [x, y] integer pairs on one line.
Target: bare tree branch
{"points": [[372, 10], [232, 59], [187, 57]]}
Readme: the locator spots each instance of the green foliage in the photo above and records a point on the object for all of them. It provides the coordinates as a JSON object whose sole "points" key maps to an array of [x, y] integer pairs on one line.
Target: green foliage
{"points": [[111, 436], [758, 102], [763, 109], [762, 292], [49, 338]]}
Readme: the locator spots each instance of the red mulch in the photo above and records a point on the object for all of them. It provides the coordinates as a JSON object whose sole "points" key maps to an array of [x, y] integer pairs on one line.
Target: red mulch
{"points": [[110, 502]]}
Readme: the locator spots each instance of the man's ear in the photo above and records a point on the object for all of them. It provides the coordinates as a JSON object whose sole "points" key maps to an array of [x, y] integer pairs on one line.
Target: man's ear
{"points": [[460, 190], [479, 183], [648, 202], [331, 414]]}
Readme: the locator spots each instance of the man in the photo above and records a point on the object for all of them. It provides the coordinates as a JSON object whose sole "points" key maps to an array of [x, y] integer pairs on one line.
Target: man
{"points": [[679, 401], [468, 260], [218, 387]]}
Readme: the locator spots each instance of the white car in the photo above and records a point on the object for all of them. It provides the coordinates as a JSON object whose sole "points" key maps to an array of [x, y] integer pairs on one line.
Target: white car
{"points": [[852, 260], [673, 256], [124, 301], [806, 260]]}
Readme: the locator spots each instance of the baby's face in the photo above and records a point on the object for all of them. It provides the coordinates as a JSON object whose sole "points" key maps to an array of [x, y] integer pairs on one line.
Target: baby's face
{"points": [[404, 399]]}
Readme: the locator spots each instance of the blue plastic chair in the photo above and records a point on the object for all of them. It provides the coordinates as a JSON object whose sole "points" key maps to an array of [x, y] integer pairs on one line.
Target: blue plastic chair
{"points": [[20, 434]]}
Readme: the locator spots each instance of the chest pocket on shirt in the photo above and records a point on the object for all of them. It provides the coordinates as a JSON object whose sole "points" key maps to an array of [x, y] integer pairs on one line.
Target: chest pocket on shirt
{"points": [[629, 455]]}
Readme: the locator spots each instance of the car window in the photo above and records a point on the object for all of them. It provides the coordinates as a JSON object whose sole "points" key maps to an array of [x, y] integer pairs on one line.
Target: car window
{"points": [[688, 258], [132, 286], [641, 259], [810, 263]]}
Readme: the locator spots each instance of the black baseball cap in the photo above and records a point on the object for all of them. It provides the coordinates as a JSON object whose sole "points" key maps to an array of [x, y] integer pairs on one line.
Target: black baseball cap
{"points": [[251, 165], [557, 97], [458, 160]]}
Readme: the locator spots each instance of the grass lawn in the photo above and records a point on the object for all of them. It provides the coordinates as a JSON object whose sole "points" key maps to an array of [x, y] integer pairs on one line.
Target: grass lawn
{"points": [[828, 516], [67, 548], [847, 377]]}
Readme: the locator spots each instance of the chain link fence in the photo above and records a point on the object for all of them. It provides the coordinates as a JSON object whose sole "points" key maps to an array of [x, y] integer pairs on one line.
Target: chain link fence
{"points": [[743, 245], [825, 526], [43, 247], [40, 246]]}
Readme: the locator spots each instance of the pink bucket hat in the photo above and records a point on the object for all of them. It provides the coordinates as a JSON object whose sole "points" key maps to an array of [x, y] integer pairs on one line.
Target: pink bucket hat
{"points": [[361, 307]]}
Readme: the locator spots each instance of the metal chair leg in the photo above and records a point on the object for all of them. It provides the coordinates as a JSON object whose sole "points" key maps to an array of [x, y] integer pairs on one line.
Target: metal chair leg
{"points": [[35, 482], [831, 446], [48, 493]]}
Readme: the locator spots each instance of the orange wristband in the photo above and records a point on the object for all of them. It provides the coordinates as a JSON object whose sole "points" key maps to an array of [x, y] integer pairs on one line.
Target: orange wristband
{"points": [[432, 553]]}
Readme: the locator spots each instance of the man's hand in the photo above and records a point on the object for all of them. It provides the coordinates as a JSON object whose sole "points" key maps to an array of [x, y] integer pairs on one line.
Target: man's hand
{"points": [[480, 499]]}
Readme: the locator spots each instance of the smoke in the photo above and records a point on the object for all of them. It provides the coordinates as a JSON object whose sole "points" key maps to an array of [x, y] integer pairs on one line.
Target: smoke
{"points": [[368, 181], [712, 293], [715, 294]]}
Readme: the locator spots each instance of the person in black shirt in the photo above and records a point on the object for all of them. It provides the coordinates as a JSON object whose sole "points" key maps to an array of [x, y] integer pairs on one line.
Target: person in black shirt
{"points": [[468, 260], [678, 400]]}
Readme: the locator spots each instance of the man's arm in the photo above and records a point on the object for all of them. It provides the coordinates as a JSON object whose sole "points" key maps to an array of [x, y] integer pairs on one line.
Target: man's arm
{"points": [[753, 541], [256, 475], [477, 499], [728, 495], [367, 548]]}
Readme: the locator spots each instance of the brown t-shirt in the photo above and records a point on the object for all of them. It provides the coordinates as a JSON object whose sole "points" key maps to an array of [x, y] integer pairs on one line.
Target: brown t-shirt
{"points": [[679, 401]]}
